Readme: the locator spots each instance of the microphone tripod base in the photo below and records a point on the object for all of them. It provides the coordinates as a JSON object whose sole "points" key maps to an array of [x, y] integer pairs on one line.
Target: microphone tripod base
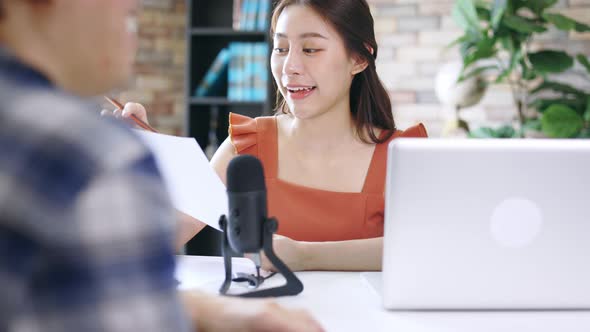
{"points": [[293, 286]]}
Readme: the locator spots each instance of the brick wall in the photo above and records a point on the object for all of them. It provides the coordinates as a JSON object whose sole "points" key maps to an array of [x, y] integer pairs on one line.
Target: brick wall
{"points": [[412, 35], [160, 64]]}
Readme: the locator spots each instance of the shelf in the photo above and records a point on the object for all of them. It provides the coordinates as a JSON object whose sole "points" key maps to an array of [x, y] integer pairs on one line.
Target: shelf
{"points": [[226, 32], [222, 101]]}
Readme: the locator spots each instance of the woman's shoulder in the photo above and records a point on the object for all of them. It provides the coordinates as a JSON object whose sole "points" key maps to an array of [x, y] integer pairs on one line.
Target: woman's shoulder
{"points": [[418, 130], [244, 131], [415, 131]]}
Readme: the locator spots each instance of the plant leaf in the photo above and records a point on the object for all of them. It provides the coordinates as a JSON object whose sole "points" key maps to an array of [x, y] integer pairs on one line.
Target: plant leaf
{"points": [[483, 13], [587, 113], [560, 121], [465, 15], [484, 49], [581, 27], [458, 41], [585, 133], [506, 132], [522, 24], [551, 61], [541, 105], [498, 10], [565, 23], [538, 6], [583, 60], [560, 21], [482, 132], [534, 124], [559, 87], [475, 72]]}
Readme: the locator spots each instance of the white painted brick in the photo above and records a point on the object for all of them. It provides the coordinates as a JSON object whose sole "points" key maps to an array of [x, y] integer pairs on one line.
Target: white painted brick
{"points": [[385, 26], [426, 97], [580, 36], [419, 53], [402, 97], [438, 8], [396, 10], [447, 23], [412, 24], [438, 38], [552, 34], [413, 83], [581, 14], [394, 68], [415, 111], [428, 68], [398, 39], [385, 53]]}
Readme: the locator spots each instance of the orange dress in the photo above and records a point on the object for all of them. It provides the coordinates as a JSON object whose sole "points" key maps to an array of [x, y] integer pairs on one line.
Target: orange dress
{"points": [[308, 214]]}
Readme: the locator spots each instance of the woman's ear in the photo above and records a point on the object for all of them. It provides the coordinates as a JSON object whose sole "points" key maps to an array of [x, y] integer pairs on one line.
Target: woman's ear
{"points": [[359, 64]]}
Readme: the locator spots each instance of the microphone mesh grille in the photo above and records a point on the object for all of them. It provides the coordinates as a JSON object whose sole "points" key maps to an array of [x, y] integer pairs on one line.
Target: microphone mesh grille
{"points": [[245, 173]]}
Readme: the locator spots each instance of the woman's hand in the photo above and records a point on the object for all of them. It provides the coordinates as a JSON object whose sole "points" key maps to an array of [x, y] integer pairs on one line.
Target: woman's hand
{"points": [[130, 108], [289, 251]]}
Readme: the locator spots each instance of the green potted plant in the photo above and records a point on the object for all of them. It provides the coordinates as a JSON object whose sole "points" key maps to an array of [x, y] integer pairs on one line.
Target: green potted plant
{"points": [[496, 45]]}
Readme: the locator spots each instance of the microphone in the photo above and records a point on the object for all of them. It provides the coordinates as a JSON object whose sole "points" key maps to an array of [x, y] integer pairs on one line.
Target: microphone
{"points": [[246, 193], [248, 229]]}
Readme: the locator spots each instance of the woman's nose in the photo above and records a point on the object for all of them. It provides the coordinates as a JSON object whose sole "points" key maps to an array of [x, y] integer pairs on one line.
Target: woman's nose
{"points": [[293, 64]]}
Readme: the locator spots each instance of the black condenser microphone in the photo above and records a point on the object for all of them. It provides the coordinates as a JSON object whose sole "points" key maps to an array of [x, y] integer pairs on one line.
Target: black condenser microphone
{"points": [[248, 229], [246, 194]]}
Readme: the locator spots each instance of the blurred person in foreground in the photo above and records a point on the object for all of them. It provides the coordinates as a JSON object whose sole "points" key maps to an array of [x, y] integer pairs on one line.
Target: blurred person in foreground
{"points": [[86, 229]]}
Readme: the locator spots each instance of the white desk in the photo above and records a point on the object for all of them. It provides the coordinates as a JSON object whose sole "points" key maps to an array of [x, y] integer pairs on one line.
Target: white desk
{"points": [[342, 301]]}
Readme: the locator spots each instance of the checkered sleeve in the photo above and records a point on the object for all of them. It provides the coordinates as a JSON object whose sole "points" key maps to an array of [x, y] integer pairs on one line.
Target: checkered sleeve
{"points": [[113, 270]]}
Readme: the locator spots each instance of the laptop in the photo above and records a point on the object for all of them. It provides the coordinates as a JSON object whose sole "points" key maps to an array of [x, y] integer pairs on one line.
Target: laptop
{"points": [[486, 225]]}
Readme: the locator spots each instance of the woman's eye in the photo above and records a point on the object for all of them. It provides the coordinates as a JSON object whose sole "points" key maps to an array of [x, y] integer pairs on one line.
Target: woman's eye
{"points": [[310, 50], [280, 50]]}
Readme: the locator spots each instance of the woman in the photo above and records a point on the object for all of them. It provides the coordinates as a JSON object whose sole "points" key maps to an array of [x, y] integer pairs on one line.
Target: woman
{"points": [[324, 153]]}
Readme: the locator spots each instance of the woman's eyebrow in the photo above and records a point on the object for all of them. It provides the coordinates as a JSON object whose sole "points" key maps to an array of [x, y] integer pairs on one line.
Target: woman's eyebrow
{"points": [[301, 36]]}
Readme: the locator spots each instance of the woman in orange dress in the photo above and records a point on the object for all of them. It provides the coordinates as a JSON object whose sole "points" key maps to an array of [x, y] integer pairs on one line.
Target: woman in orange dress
{"points": [[324, 152]]}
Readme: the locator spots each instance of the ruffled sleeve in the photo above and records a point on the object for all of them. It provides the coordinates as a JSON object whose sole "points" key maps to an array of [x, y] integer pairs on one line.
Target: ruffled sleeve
{"points": [[417, 131], [243, 133]]}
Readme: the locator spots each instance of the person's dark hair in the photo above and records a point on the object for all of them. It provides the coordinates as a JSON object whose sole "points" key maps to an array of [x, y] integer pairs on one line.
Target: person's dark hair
{"points": [[1, 10], [369, 101]]}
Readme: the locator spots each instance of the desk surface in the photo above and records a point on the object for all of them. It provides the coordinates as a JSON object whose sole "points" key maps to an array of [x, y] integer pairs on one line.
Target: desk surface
{"points": [[343, 301]]}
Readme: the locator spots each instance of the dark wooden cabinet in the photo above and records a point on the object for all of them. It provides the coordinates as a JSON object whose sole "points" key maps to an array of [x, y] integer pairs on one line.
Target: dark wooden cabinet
{"points": [[209, 30]]}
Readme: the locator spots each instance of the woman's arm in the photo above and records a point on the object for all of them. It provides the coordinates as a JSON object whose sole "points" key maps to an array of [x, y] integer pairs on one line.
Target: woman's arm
{"points": [[352, 255], [186, 228]]}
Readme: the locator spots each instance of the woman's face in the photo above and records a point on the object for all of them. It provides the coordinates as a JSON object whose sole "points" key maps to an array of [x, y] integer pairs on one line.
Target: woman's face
{"points": [[310, 63]]}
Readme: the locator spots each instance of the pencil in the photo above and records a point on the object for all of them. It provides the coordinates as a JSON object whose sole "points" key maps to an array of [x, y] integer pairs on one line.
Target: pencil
{"points": [[135, 119]]}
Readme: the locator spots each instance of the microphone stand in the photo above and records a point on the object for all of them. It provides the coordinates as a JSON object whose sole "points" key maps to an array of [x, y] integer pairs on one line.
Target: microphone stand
{"points": [[293, 286]]}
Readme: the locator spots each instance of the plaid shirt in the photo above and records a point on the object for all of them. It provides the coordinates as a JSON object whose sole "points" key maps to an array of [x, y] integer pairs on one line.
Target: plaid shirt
{"points": [[86, 231]]}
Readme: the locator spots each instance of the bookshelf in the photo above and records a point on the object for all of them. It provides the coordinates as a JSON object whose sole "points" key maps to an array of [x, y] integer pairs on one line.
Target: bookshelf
{"points": [[209, 30]]}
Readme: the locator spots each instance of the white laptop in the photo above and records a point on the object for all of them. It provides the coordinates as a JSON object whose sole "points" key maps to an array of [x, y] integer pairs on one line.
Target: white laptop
{"points": [[487, 224]]}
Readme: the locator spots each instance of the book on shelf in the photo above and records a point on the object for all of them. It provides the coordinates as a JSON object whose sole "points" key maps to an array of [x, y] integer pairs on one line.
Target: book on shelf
{"points": [[210, 83], [260, 77], [237, 11], [242, 65], [251, 15], [262, 20], [248, 72]]}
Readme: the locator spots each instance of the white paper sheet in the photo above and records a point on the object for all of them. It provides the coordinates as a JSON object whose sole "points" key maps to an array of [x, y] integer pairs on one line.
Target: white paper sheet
{"points": [[192, 183]]}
